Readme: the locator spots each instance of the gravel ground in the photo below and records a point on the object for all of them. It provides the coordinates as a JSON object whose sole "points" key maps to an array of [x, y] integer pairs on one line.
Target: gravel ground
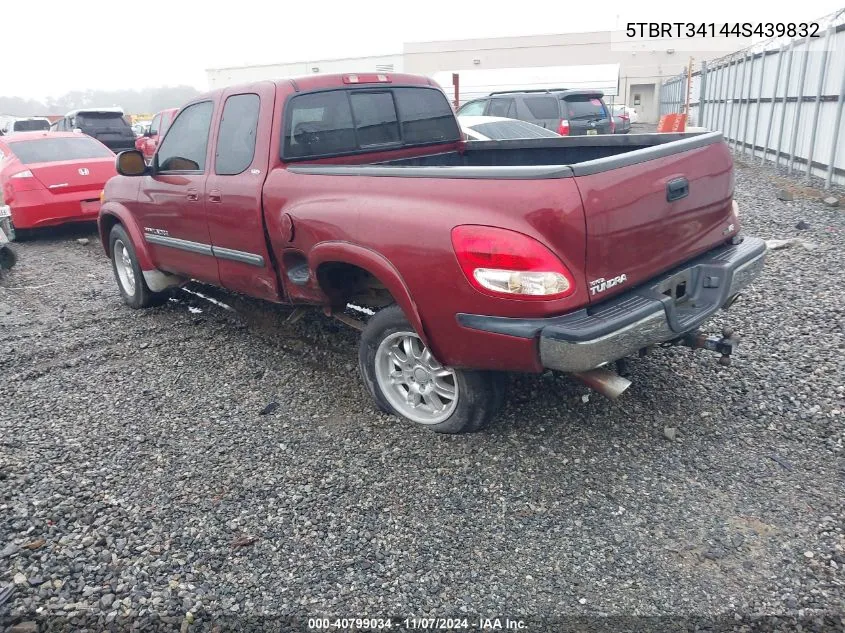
{"points": [[140, 483]]}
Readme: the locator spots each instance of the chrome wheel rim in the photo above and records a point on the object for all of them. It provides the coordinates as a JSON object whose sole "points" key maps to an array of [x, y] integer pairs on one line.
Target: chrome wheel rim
{"points": [[123, 266], [412, 380]]}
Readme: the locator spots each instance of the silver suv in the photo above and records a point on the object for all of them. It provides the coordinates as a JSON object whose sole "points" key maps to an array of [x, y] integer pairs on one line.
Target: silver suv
{"points": [[567, 112]]}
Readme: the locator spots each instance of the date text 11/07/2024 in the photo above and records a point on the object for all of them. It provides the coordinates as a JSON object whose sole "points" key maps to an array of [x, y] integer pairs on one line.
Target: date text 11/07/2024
{"points": [[711, 29], [417, 624]]}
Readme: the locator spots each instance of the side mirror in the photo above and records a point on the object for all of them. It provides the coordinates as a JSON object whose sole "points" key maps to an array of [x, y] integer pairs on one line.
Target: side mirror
{"points": [[130, 163]]}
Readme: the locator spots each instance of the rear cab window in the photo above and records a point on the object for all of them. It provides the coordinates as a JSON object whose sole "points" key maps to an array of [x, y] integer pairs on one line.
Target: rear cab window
{"points": [[348, 121], [52, 150]]}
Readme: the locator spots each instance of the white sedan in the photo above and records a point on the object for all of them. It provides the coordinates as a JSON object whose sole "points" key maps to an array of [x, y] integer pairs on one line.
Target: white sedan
{"points": [[631, 112], [496, 128]]}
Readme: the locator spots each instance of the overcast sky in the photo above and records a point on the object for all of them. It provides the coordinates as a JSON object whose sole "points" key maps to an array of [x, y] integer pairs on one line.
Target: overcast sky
{"points": [[54, 46]]}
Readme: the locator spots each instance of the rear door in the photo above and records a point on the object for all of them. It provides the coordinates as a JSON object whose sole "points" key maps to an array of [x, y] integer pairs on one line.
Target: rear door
{"points": [[234, 192], [542, 110], [647, 217], [171, 201], [502, 106], [586, 114]]}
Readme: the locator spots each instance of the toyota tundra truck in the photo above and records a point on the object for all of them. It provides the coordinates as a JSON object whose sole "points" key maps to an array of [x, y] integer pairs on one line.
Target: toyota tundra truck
{"points": [[470, 259]]}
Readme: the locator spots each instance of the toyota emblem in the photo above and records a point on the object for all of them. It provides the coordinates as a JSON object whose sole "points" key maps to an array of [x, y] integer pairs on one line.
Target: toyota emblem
{"points": [[83, 171]]}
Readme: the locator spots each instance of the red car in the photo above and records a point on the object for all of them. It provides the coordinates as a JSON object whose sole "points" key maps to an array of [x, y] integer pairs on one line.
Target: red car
{"points": [[356, 193], [49, 178], [148, 143]]}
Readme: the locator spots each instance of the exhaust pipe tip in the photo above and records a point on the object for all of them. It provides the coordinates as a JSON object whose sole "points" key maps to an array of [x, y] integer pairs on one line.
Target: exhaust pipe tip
{"points": [[732, 300], [605, 382]]}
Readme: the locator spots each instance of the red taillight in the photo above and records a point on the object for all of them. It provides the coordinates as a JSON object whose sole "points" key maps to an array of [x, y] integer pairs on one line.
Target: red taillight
{"points": [[367, 78], [505, 263], [563, 127], [24, 181]]}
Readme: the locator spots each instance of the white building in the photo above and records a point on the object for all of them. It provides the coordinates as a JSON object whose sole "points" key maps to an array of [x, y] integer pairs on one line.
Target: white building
{"points": [[643, 63], [220, 77]]}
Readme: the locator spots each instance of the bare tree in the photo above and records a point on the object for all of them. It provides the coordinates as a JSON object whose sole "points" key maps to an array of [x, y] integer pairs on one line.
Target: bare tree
{"points": [[145, 101]]}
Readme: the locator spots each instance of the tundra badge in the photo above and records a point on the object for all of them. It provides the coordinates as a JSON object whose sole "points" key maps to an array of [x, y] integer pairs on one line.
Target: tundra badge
{"points": [[598, 286]]}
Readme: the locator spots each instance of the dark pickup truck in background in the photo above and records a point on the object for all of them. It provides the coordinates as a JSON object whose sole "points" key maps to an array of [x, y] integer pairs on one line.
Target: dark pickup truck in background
{"points": [[476, 257], [107, 125]]}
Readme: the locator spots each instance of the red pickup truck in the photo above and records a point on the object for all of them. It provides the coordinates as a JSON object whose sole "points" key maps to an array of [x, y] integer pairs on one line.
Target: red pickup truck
{"points": [[148, 143], [476, 258]]}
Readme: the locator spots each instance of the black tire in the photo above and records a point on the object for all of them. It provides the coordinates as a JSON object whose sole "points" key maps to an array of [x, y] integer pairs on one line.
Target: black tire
{"points": [[141, 296], [480, 393]]}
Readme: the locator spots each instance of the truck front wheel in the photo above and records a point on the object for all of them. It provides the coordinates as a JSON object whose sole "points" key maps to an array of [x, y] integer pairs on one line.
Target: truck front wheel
{"points": [[405, 379], [127, 272]]}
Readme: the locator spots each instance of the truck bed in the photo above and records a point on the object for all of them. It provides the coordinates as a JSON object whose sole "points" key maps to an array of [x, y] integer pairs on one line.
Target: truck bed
{"points": [[563, 157], [647, 202]]}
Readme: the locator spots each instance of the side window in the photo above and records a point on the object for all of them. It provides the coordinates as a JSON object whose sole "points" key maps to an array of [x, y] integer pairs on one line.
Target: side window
{"points": [[502, 107], [155, 125], [166, 120], [185, 146], [542, 107], [236, 138], [473, 108]]}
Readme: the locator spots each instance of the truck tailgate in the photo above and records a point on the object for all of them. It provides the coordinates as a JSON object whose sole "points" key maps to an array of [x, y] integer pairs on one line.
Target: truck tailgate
{"points": [[643, 218]]}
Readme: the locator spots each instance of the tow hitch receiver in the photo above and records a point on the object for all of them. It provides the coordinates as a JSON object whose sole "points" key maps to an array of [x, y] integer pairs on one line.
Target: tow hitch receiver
{"points": [[723, 345]]}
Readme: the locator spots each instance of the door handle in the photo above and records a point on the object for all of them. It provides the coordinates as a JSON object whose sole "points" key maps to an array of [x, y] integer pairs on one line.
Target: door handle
{"points": [[677, 189], [193, 195], [215, 196]]}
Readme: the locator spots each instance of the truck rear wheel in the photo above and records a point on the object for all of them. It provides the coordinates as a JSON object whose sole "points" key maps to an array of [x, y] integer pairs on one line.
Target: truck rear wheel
{"points": [[127, 272], [405, 379]]}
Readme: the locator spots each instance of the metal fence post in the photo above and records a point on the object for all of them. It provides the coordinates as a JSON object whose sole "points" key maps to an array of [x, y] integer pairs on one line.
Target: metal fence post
{"points": [[729, 102], [837, 121], [785, 97], [757, 112], [717, 112], [748, 102], [800, 101], [739, 105], [817, 108], [702, 76], [774, 97]]}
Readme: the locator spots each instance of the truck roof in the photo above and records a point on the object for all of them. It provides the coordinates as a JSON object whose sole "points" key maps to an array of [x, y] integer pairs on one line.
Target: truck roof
{"points": [[307, 83], [113, 109]]}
